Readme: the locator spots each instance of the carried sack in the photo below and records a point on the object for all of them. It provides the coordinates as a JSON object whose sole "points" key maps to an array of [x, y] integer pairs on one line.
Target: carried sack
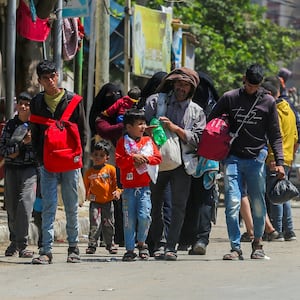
{"points": [[62, 145], [280, 190], [170, 152], [217, 139]]}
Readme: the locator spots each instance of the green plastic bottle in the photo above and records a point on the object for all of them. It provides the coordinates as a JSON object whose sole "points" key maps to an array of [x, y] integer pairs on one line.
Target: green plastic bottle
{"points": [[159, 135]]}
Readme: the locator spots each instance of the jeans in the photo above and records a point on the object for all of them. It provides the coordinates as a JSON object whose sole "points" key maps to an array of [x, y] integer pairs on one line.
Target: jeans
{"points": [[136, 215], [282, 214], [252, 172], [69, 184]]}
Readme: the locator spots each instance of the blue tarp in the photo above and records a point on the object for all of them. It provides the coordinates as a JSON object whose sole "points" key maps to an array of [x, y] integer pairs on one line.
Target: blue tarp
{"points": [[114, 22], [116, 33]]}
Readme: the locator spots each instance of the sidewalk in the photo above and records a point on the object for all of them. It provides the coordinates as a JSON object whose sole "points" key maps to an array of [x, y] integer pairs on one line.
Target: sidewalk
{"points": [[59, 225]]}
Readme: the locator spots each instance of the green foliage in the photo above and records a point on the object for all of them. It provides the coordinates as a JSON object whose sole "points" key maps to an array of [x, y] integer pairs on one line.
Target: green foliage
{"points": [[232, 35]]}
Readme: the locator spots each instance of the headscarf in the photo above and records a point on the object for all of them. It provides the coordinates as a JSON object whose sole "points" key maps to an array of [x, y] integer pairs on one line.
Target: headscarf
{"points": [[184, 74], [150, 87], [102, 102]]}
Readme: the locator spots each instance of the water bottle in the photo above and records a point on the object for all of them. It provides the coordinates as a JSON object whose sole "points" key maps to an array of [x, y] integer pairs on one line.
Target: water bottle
{"points": [[19, 134], [159, 135]]}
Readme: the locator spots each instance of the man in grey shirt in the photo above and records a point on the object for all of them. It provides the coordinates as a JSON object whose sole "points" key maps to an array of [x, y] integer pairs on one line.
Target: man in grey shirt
{"points": [[181, 117]]}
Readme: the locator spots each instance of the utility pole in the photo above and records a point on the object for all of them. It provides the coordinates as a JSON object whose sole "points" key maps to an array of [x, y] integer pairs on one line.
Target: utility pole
{"points": [[127, 54], [102, 43], [90, 83], [57, 49], [10, 58]]}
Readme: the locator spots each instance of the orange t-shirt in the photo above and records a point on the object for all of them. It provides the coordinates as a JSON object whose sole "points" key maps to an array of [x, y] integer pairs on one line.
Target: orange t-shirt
{"points": [[100, 183]]}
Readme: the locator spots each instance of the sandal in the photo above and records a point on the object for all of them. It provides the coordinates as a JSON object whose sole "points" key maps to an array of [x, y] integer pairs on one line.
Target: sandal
{"points": [[245, 237], [257, 251], [159, 254], [73, 255], [234, 255], [112, 249], [25, 253], [170, 255], [143, 252], [90, 250], [43, 259], [129, 256]]}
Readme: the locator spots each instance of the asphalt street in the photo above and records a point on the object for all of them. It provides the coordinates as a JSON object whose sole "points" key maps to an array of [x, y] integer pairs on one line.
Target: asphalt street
{"points": [[103, 276]]}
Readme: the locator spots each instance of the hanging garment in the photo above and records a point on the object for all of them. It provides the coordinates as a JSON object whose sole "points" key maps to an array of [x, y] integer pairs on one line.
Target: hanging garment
{"points": [[35, 31]]}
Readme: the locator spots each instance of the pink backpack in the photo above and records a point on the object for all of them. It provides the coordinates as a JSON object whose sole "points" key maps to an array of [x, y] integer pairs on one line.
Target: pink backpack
{"points": [[215, 140]]}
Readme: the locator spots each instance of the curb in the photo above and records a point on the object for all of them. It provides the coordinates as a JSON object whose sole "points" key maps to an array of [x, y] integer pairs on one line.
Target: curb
{"points": [[59, 231]]}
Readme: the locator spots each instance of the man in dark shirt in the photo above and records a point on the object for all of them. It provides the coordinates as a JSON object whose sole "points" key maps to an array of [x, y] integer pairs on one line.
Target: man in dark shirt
{"points": [[246, 161]]}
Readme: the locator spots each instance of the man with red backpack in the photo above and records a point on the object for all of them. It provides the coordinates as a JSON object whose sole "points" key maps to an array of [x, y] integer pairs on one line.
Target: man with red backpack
{"points": [[246, 160], [52, 104]]}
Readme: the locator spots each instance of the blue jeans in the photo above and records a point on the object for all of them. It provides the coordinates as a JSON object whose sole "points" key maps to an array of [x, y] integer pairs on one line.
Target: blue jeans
{"points": [[69, 184], [282, 214], [136, 215], [252, 172]]}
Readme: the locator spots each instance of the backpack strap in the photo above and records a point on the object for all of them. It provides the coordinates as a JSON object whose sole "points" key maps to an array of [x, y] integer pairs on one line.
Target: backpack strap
{"points": [[71, 107], [65, 116], [41, 120]]}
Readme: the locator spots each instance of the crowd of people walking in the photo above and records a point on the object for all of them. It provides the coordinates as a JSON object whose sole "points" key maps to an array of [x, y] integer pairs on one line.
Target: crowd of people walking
{"points": [[152, 198]]}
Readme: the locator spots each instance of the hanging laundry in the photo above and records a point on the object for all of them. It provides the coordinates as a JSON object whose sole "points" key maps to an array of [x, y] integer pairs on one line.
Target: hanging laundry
{"points": [[71, 38], [37, 30]]}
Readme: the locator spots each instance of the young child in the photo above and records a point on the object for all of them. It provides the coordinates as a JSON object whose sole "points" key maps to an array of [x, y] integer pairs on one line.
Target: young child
{"points": [[101, 188], [119, 107], [20, 177], [138, 158]]}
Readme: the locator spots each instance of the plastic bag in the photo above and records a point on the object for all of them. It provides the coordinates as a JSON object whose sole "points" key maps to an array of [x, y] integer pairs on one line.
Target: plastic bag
{"points": [[280, 190]]}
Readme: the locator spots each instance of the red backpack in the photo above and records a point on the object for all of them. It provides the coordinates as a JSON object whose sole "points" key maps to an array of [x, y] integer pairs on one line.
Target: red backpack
{"points": [[62, 144], [215, 140]]}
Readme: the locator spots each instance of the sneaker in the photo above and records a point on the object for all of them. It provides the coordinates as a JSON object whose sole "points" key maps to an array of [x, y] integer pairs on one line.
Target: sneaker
{"points": [[279, 238], [73, 255], [290, 236], [257, 251], [235, 254]]}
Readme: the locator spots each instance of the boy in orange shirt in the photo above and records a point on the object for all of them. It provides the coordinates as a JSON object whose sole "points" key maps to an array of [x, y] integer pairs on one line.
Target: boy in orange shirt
{"points": [[101, 188], [138, 158]]}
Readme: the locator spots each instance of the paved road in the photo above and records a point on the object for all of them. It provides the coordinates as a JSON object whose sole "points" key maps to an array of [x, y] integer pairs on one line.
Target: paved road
{"points": [[191, 277]]}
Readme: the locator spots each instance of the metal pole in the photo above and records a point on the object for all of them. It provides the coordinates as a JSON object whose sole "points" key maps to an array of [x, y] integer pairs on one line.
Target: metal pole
{"points": [[127, 54], [10, 58], [90, 83], [57, 51]]}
